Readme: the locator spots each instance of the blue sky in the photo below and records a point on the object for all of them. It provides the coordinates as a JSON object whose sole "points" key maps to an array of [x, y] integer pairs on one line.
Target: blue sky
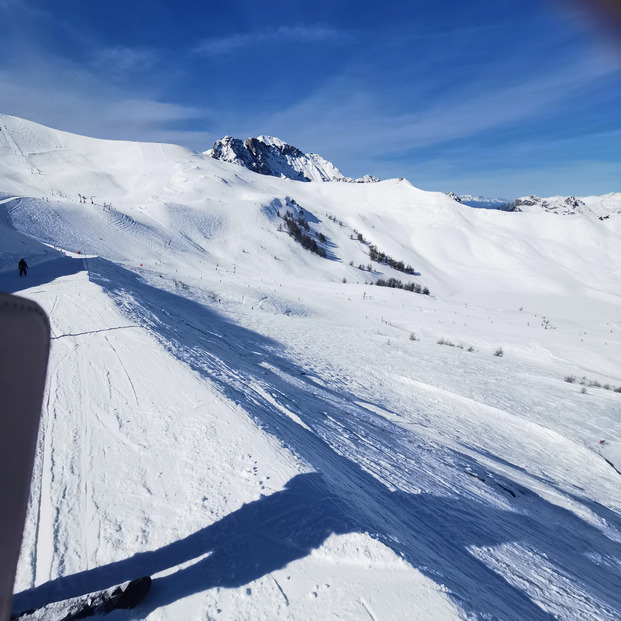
{"points": [[501, 98]]}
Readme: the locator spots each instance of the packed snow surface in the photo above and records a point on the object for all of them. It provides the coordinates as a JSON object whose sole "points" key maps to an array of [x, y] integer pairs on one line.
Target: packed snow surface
{"points": [[271, 436]]}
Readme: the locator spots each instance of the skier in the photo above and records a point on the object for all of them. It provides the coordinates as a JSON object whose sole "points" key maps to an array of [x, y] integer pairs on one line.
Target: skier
{"points": [[23, 267]]}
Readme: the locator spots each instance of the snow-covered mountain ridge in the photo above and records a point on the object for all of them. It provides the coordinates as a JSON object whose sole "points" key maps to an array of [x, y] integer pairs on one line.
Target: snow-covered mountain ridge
{"points": [[269, 434], [601, 206], [271, 156], [482, 202]]}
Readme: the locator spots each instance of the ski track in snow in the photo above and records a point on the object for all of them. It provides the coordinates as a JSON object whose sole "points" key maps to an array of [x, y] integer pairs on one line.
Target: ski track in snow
{"points": [[344, 434], [340, 428], [224, 414]]}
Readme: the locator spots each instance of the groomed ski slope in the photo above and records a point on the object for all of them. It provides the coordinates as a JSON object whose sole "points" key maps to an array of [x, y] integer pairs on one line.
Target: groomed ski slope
{"points": [[224, 413]]}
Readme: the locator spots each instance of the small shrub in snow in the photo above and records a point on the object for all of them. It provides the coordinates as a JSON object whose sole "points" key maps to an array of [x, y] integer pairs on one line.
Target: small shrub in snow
{"points": [[499, 352], [413, 337], [443, 341], [470, 348], [181, 285], [591, 383], [583, 391]]}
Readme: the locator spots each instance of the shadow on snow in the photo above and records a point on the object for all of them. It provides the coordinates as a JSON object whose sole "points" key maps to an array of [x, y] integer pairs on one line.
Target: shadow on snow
{"points": [[433, 532], [39, 274]]}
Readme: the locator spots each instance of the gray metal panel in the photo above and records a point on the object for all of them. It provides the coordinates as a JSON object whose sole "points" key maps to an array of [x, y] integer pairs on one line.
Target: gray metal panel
{"points": [[24, 349]]}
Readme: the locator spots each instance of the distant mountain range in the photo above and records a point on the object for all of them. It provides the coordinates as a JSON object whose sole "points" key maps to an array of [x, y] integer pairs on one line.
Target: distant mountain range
{"points": [[271, 156], [481, 202], [601, 206]]}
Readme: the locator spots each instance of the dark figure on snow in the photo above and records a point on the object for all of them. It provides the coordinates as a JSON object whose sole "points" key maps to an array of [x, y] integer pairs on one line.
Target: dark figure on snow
{"points": [[23, 267]]}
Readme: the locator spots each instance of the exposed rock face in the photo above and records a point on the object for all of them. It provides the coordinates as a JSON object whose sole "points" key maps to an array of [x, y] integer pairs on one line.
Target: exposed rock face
{"points": [[564, 205], [603, 206], [267, 155]]}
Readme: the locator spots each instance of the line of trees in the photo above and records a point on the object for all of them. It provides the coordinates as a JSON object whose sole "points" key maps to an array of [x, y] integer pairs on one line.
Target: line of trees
{"points": [[297, 228], [382, 257], [395, 283]]}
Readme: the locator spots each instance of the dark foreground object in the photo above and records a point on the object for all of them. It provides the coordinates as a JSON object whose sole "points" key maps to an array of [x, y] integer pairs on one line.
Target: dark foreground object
{"points": [[24, 346], [121, 597]]}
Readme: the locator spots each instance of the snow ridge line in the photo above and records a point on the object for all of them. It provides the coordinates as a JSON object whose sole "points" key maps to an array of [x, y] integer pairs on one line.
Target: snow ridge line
{"points": [[9, 199]]}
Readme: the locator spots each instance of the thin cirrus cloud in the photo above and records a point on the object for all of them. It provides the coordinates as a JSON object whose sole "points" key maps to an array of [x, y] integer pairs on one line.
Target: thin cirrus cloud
{"points": [[70, 106], [123, 61], [303, 34], [361, 116]]}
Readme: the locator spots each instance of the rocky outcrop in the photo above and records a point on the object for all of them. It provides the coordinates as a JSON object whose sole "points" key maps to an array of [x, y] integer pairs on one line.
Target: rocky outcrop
{"points": [[267, 155]]}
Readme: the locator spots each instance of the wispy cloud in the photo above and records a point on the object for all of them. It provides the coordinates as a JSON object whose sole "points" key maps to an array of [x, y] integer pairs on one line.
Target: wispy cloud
{"points": [[81, 103], [17, 7], [301, 34], [344, 120], [122, 62]]}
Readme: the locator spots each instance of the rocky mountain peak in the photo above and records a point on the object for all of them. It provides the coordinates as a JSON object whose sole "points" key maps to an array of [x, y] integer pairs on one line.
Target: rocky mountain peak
{"points": [[268, 155]]}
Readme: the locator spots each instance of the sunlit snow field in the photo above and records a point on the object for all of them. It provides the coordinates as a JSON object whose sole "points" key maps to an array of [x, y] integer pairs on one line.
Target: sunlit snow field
{"points": [[270, 436]]}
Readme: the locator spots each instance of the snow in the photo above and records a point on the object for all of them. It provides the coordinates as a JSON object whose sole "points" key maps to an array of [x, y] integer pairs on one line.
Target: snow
{"points": [[272, 140], [612, 453], [225, 414]]}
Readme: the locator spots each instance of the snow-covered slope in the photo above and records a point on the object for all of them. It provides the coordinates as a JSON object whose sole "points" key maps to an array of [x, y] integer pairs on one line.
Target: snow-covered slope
{"points": [[271, 156], [270, 435]]}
